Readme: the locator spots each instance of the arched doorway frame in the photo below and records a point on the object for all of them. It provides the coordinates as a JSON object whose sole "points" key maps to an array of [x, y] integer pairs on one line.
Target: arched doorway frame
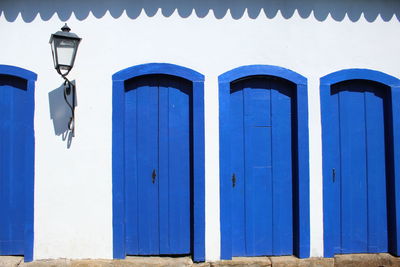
{"points": [[118, 80], [302, 240], [30, 78], [326, 83]]}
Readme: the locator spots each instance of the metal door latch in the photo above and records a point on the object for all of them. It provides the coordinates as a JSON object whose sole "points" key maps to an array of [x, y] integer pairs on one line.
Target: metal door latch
{"points": [[153, 176], [233, 180], [333, 174]]}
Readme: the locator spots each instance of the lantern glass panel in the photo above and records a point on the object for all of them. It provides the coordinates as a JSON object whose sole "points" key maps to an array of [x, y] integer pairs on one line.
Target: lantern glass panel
{"points": [[53, 51], [65, 52]]}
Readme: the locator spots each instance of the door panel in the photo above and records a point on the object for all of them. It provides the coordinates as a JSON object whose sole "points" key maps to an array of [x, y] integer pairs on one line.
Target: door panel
{"points": [[147, 167], [157, 165], [164, 158], [14, 140], [175, 150], [261, 154], [131, 166], [257, 158], [376, 173], [361, 192], [353, 162], [238, 170], [281, 95]]}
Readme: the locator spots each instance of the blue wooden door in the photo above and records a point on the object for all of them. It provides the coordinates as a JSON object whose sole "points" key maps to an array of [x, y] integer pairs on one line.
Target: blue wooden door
{"points": [[262, 120], [158, 171], [16, 135], [360, 163]]}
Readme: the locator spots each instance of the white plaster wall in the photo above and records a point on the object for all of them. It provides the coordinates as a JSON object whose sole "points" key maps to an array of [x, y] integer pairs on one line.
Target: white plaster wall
{"points": [[73, 197]]}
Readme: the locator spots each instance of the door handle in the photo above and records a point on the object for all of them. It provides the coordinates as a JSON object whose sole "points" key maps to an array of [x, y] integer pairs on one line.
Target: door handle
{"points": [[333, 174], [233, 180], [153, 176]]}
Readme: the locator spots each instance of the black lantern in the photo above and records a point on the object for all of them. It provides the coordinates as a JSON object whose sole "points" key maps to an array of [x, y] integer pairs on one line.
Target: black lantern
{"points": [[64, 45]]}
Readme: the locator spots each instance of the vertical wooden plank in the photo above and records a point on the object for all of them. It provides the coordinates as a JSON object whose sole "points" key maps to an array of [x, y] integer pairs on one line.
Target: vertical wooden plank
{"points": [[6, 245], [301, 192], [237, 166], [147, 148], [354, 170], [29, 180], [131, 179], [258, 185], [174, 166], [179, 165], [118, 169], [198, 171], [392, 141], [282, 179], [164, 169], [18, 165], [395, 222], [332, 170], [225, 170], [376, 168]]}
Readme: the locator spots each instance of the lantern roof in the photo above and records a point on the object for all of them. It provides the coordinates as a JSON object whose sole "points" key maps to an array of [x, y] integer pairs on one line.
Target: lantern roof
{"points": [[65, 33]]}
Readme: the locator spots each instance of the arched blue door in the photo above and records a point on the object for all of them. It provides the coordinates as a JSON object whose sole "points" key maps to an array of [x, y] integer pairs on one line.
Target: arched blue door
{"points": [[359, 170], [157, 165], [261, 158], [16, 161], [158, 161], [362, 165], [263, 162]]}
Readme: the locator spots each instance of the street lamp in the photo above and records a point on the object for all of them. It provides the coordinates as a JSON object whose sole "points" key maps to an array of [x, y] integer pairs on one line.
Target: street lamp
{"points": [[64, 45]]}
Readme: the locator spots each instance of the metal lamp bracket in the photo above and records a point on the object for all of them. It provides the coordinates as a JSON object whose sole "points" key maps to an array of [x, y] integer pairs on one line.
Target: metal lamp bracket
{"points": [[69, 89]]}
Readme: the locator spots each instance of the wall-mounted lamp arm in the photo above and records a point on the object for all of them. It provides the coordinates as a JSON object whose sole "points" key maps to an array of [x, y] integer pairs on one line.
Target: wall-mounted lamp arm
{"points": [[69, 88], [64, 45]]}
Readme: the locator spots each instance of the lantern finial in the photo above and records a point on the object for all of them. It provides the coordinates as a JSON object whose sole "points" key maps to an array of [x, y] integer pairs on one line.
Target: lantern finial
{"points": [[65, 28]]}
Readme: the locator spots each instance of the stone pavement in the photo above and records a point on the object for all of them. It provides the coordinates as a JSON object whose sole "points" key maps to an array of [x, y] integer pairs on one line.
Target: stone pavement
{"points": [[350, 260]]}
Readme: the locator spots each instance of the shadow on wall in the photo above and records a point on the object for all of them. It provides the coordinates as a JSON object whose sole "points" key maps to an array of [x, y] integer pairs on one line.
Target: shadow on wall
{"points": [[60, 113], [320, 9]]}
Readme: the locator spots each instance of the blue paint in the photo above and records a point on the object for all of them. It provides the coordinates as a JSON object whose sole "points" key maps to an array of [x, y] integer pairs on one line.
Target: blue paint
{"points": [[163, 95], [377, 230], [283, 122], [158, 68], [17, 161], [141, 144], [157, 141], [261, 159], [360, 134], [174, 159], [238, 168], [254, 113]]}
